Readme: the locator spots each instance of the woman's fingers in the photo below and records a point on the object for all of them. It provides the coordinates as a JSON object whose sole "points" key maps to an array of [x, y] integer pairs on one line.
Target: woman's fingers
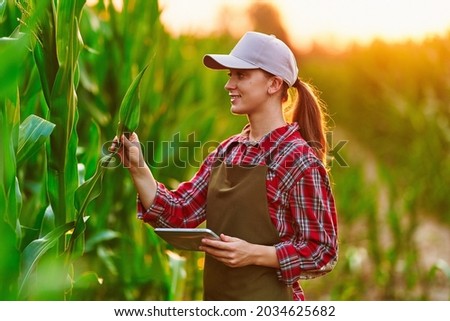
{"points": [[129, 150], [115, 144], [127, 142]]}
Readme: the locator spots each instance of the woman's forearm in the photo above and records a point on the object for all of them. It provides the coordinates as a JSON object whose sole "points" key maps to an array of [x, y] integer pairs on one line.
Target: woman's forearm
{"points": [[145, 184], [265, 256]]}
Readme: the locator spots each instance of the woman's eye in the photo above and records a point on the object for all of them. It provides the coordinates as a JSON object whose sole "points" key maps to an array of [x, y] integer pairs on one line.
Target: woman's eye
{"points": [[238, 75]]}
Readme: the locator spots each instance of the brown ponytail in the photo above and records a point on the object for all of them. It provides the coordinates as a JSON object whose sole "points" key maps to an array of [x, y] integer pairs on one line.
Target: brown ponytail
{"points": [[309, 113]]}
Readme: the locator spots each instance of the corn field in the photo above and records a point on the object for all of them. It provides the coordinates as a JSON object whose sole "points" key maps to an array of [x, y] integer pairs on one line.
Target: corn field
{"points": [[73, 76]]}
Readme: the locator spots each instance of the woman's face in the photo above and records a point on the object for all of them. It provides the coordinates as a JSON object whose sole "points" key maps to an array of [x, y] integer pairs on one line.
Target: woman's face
{"points": [[248, 90]]}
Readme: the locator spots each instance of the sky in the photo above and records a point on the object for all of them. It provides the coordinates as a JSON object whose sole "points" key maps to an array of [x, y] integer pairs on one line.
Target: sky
{"points": [[335, 23]]}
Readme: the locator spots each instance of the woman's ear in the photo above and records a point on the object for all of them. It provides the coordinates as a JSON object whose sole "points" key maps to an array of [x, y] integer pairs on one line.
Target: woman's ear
{"points": [[276, 84]]}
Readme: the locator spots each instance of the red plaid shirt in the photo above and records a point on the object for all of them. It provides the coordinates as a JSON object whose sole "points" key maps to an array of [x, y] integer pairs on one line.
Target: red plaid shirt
{"points": [[299, 196]]}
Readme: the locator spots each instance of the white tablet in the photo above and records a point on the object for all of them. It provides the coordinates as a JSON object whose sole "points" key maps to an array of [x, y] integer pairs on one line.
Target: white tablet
{"points": [[185, 238]]}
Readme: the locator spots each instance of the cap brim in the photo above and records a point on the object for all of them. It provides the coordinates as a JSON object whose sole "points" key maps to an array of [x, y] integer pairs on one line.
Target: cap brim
{"points": [[226, 62]]}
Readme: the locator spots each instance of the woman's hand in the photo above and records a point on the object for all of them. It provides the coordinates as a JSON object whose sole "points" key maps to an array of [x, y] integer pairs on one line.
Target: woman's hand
{"points": [[235, 252], [131, 156], [129, 151]]}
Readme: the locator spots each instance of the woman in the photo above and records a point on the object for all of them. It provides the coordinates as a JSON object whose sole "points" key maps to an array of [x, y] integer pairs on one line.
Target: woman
{"points": [[265, 190]]}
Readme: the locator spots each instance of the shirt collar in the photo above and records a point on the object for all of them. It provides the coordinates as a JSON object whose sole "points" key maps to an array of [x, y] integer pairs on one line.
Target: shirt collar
{"points": [[270, 139]]}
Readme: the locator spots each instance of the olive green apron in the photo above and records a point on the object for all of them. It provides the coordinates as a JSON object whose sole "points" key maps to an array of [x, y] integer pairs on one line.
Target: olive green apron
{"points": [[237, 206]]}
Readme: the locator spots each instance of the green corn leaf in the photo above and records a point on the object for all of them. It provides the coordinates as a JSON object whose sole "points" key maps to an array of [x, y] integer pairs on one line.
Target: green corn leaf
{"points": [[48, 222], [9, 267], [45, 76], [44, 52], [68, 47], [36, 249], [13, 51], [61, 153], [9, 133], [100, 237], [129, 108], [88, 281], [76, 245], [2, 7], [33, 132], [89, 157], [91, 188], [85, 193], [178, 283]]}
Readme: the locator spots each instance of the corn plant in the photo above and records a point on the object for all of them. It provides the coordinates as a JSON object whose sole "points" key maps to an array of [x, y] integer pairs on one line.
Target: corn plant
{"points": [[19, 142], [51, 31]]}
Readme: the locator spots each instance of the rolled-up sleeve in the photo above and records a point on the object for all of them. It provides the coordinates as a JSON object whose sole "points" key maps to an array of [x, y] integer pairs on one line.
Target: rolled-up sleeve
{"points": [[152, 214], [313, 249], [184, 206]]}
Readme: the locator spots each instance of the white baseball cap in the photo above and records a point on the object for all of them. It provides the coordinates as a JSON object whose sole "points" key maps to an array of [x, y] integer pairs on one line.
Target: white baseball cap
{"points": [[258, 50]]}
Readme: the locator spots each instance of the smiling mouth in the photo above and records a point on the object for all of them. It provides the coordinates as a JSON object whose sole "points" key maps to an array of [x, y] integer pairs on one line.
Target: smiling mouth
{"points": [[234, 97]]}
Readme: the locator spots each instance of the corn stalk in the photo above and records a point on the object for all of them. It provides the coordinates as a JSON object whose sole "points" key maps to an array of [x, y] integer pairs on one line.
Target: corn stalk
{"points": [[128, 122], [18, 143], [39, 250]]}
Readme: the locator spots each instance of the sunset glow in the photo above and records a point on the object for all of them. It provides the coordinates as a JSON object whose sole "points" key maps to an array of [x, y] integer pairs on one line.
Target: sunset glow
{"points": [[331, 22]]}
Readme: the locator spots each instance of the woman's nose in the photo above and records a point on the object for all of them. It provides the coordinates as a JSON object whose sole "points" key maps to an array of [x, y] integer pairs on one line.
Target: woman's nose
{"points": [[230, 84]]}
